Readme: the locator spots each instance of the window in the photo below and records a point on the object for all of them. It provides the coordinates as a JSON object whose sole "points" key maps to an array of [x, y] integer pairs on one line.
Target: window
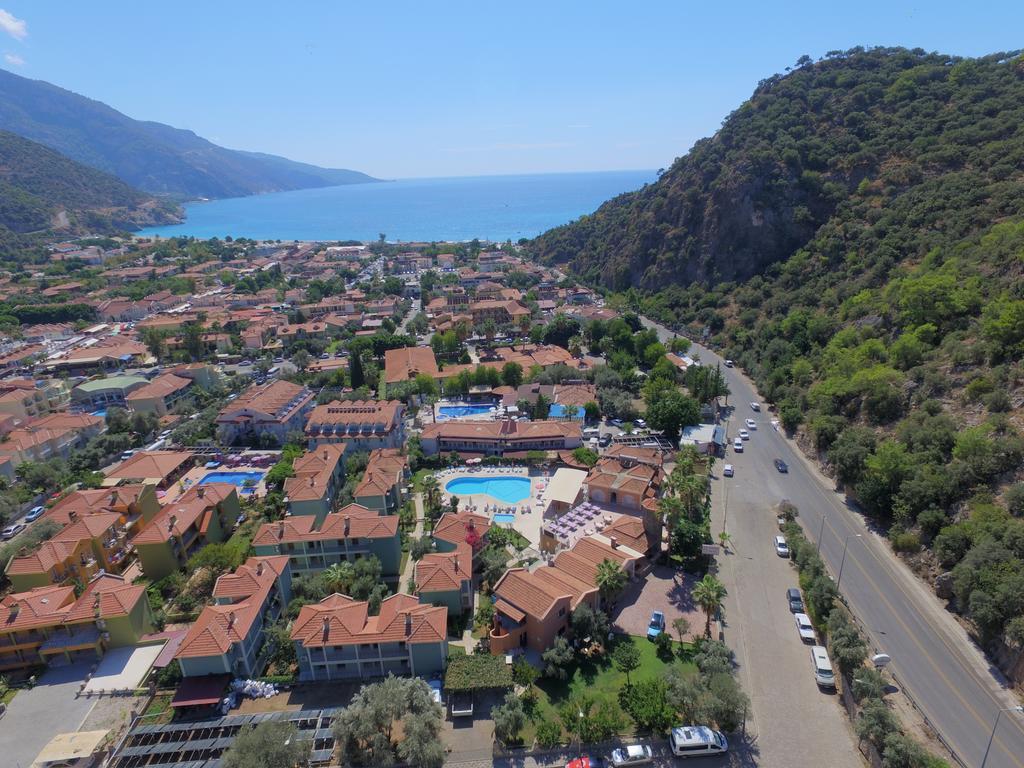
{"points": [[561, 611]]}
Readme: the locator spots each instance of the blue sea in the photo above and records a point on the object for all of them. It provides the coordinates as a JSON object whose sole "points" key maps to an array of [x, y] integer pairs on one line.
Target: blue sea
{"points": [[486, 207]]}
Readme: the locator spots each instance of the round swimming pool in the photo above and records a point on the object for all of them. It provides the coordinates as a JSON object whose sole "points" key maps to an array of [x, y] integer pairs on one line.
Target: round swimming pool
{"points": [[507, 488], [458, 411]]}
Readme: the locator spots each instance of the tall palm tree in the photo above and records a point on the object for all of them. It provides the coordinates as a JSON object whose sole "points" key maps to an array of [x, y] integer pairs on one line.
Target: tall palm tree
{"points": [[709, 593], [431, 489], [338, 578], [693, 493], [610, 580]]}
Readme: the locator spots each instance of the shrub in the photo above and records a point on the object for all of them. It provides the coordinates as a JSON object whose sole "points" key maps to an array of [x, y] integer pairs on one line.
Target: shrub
{"points": [[549, 733], [876, 723], [663, 642], [905, 541], [1015, 499], [647, 704], [868, 684]]}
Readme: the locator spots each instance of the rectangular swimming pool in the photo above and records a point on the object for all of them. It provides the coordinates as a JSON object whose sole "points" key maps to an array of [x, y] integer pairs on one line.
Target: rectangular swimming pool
{"points": [[237, 479], [504, 517]]}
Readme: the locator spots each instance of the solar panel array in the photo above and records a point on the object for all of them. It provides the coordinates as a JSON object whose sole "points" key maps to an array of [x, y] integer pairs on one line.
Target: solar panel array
{"points": [[201, 743]]}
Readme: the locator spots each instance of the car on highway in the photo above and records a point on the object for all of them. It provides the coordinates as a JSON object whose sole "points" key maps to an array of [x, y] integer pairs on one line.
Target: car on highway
{"points": [[727, 470], [755, 406], [781, 547], [804, 627], [656, 625], [34, 514], [751, 424], [737, 445], [796, 603], [634, 754], [782, 466], [744, 435], [11, 531]]}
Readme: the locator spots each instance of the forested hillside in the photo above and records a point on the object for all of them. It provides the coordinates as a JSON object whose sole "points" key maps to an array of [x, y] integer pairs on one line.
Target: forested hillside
{"points": [[151, 156], [853, 237], [41, 190]]}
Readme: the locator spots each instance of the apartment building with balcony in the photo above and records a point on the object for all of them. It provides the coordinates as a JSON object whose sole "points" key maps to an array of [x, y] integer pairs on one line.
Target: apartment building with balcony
{"points": [[200, 516], [318, 481], [363, 425], [338, 639], [161, 396], [136, 505], [42, 624], [265, 412], [26, 399], [228, 635], [76, 553], [159, 468], [496, 438], [445, 577], [53, 436], [352, 533], [383, 481]]}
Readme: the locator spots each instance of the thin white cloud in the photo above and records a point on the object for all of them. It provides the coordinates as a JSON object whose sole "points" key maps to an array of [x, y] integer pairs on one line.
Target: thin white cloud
{"points": [[15, 27], [14, 60]]}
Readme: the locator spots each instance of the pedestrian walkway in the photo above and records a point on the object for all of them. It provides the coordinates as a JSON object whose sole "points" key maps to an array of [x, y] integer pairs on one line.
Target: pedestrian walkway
{"points": [[417, 532]]}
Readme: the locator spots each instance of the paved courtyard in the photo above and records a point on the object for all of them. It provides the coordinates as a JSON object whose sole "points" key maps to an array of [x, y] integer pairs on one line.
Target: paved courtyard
{"points": [[664, 589], [35, 716]]}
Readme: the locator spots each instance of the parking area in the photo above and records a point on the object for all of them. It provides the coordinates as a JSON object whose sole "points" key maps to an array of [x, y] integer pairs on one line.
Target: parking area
{"points": [[36, 715], [664, 589]]}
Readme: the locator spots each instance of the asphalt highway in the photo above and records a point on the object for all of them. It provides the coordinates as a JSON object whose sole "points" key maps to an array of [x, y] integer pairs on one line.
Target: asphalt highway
{"points": [[942, 670]]}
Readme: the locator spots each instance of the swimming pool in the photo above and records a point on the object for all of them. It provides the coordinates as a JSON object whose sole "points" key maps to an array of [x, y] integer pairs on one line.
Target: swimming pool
{"points": [[237, 479], [557, 411], [507, 488], [504, 517], [458, 411]]}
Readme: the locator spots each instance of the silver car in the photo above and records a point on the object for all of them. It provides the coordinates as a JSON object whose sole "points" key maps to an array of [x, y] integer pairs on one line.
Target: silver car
{"points": [[804, 627], [634, 754]]}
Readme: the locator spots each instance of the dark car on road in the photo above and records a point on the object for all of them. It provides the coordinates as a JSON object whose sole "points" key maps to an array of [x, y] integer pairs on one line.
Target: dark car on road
{"points": [[796, 603], [782, 466]]}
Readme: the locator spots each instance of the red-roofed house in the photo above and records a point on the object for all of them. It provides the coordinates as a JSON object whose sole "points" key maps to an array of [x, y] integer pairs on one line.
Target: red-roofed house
{"points": [[445, 577], [381, 486], [228, 635], [318, 481], [202, 515], [338, 639], [265, 412]]}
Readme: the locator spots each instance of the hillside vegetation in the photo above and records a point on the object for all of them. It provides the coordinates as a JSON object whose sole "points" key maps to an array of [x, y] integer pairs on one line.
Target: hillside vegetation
{"points": [[43, 191], [151, 156], [853, 237]]}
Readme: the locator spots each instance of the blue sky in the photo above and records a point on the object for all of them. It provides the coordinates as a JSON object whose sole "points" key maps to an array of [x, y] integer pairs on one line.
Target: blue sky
{"points": [[407, 89]]}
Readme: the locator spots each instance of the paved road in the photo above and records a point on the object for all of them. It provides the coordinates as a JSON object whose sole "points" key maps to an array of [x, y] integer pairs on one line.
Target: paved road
{"points": [[774, 664], [933, 657]]}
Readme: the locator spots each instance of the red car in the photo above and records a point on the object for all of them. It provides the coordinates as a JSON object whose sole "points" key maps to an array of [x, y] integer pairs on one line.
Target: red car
{"points": [[585, 762]]}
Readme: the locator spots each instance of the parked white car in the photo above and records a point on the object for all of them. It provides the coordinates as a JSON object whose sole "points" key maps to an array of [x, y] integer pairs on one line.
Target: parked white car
{"points": [[751, 424], [781, 547], [634, 754], [804, 627]]}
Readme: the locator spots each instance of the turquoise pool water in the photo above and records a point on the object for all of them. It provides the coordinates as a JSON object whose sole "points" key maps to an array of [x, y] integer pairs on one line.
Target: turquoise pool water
{"points": [[458, 411], [237, 479], [509, 488], [557, 411], [504, 517]]}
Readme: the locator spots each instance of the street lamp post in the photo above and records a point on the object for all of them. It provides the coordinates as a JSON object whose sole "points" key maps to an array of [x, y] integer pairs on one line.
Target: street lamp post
{"points": [[994, 726], [842, 562]]}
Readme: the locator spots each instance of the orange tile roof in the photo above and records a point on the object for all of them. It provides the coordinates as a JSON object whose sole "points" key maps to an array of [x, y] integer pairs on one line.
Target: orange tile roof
{"points": [[108, 594], [92, 501], [313, 472], [221, 626], [405, 363], [149, 465], [455, 528], [444, 571], [362, 523], [160, 387], [355, 417], [340, 620], [385, 470], [39, 607], [511, 431], [188, 509]]}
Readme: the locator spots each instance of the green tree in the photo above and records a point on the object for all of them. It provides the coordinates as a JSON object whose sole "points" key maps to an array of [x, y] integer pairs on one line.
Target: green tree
{"points": [[626, 657], [357, 378], [268, 745], [557, 659], [682, 627], [509, 719], [709, 593], [610, 580]]}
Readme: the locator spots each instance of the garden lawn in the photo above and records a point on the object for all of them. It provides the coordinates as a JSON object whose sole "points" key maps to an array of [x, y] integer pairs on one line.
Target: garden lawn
{"points": [[600, 679]]}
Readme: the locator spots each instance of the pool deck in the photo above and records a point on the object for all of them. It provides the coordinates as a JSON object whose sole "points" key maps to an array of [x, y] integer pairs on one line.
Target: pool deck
{"points": [[528, 523], [194, 475]]}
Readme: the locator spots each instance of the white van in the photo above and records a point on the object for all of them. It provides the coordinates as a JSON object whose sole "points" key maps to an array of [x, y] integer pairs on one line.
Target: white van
{"points": [[697, 741], [823, 674], [592, 432]]}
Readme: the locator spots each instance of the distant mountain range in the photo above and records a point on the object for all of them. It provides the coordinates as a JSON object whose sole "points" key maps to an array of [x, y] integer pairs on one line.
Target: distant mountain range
{"points": [[42, 193], [151, 156]]}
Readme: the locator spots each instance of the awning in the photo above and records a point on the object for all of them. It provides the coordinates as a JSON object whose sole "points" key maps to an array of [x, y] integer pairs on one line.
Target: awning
{"points": [[66, 747], [509, 610], [200, 691], [171, 639]]}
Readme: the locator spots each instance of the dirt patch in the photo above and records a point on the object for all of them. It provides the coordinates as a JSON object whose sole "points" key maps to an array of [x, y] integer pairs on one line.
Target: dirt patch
{"points": [[305, 696]]}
